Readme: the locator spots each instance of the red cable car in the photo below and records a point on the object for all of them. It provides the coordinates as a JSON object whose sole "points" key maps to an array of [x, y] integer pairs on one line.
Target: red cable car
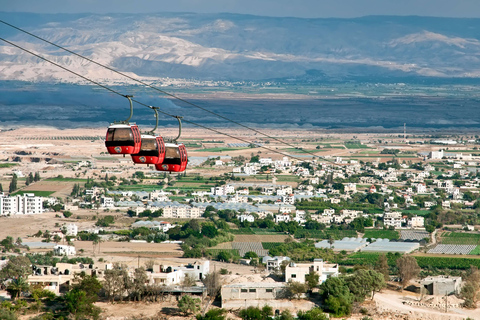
{"points": [[123, 137], [176, 158], [152, 150]]}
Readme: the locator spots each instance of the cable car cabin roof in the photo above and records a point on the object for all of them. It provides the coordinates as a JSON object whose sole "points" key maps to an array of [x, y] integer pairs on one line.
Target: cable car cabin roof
{"points": [[121, 125], [173, 145], [147, 136]]}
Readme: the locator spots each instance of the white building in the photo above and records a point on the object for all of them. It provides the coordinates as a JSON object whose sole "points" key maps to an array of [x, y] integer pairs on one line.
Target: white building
{"points": [[392, 219], [72, 230], [298, 271], [288, 199], [61, 250], [182, 212], [282, 218], [274, 263], [416, 222], [20, 204], [223, 190], [107, 202], [247, 217]]}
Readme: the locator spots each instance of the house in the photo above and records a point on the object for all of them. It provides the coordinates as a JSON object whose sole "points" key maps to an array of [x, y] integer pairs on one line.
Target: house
{"points": [[107, 202], [372, 189], [274, 263], [61, 250], [416, 222], [392, 219], [288, 199], [254, 294], [282, 218], [298, 271], [72, 230], [442, 285], [247, 217]]}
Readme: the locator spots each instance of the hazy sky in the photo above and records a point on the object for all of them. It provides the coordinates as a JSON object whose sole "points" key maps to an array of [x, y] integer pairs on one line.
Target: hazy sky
{"points": [[292, 8]]}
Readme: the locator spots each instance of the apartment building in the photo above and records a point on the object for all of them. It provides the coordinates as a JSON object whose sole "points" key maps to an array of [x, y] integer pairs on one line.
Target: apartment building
{"points": [[27, 203]]}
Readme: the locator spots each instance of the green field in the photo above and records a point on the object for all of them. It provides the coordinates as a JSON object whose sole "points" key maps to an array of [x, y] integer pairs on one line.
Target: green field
{"points": [[36, 193], [270, 245], [215, 252], [384, 234], [475, 251], [417, 212], [461, 238], [261, 231], [355, 146], [8, 165], [460, 263]]}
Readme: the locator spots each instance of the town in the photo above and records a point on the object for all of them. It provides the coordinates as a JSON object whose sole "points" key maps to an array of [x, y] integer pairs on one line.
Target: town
{"points": [[364, 225]]}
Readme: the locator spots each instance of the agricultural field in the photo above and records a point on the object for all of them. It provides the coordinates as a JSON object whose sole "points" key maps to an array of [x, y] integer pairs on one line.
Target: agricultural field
{"points": [[352, 145], [383, 234], [37, 193], [461, 238], [453, 249], [270, 245]]}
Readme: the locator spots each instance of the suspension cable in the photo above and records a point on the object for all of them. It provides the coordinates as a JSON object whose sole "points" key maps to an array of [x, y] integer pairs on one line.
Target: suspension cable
{"points": [[157, 89], [140, 103]]}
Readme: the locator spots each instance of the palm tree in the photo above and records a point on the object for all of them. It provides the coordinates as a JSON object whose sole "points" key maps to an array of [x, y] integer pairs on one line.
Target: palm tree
{"points": [[17, 286]]}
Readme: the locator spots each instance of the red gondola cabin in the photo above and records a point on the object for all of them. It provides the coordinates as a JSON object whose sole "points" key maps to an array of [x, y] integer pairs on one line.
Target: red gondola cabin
{"points": [[123, 139], [175, 158], [152, 150]]}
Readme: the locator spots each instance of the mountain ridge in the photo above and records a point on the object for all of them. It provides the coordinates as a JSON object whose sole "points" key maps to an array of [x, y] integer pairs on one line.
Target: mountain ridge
{"points": [[236, 47]]}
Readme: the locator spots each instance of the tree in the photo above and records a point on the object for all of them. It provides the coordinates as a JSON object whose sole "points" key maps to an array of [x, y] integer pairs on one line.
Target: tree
{"points": [[37, 176], [78, 305], [294, 289], [139, 280], [312, 314], [224, 256], [312, 279], [471, 288], [365, 283], [213, 314], [17, 286], [88, 284], [13, 184], [336, 296], [188, 281], [250, 255], [188, 305], [114, 282], [213, 283], [254, 313], [67, 214], [209, 230], [407, 269], [382, 266], [16, 267]]}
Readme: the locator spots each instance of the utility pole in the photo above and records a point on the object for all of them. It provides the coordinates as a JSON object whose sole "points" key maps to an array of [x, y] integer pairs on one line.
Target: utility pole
{"points": [[405, 132], [138, 263]]}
